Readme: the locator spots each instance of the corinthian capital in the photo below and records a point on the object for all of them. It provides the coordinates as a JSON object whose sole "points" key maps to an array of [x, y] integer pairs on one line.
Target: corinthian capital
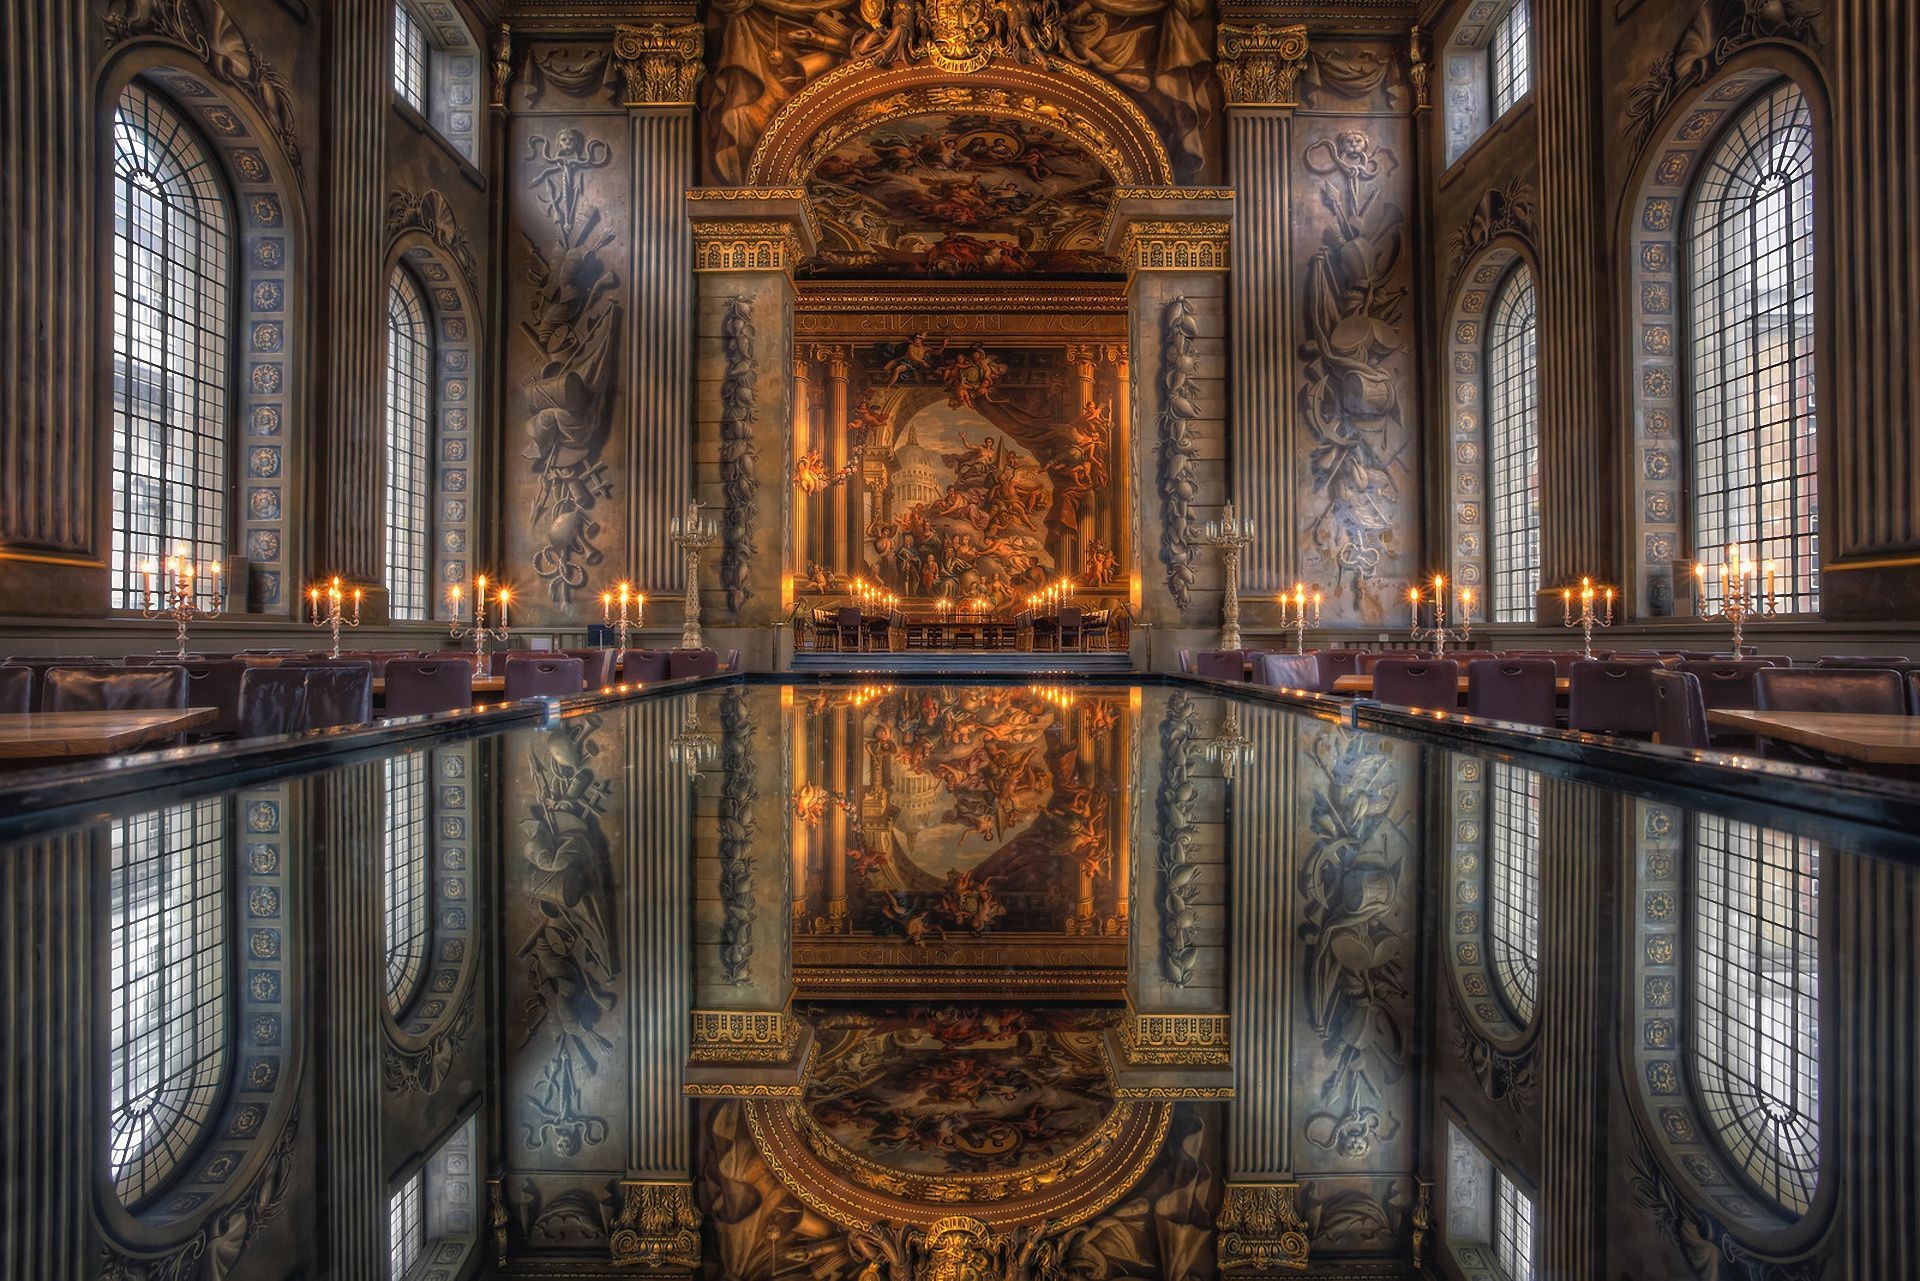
{"points": [[661, 63], [1260, 64]]}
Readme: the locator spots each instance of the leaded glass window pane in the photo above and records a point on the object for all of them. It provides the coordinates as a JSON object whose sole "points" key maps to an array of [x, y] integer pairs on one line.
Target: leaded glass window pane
{"points": [[1754, 417], [172, 346], [1513, 444], [1513, 890], [1755, 1002], [409, 59], [409, 428], [408, 877], [407, 1226], [1512, 1229], [168, 949], [1512, 71]]}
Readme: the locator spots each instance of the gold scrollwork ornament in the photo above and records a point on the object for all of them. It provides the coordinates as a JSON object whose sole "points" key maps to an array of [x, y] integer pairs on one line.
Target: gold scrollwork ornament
{"points": [[657, 1227], [1260, 65], [1261, 1229]]}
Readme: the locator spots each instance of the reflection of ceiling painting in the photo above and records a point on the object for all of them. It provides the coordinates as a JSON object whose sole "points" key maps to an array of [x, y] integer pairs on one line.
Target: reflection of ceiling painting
{"points": [[960, 196], [958, 1089]]}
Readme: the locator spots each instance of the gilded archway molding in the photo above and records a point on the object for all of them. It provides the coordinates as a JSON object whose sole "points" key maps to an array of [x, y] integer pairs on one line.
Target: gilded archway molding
{"points": [[1057, 95]]}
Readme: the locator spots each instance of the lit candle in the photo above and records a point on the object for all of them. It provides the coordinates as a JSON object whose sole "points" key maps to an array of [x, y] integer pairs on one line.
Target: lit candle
{"points": [[606, 607], [453, 601], [149, 570], [1769, 572], [502, 596], [1316, 602], [1413, 602], [1466, 604]]}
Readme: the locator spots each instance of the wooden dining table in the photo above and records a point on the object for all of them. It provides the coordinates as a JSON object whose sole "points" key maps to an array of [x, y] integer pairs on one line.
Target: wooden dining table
{"points": [[1364, 685], [481, 685], [26, 736], [1855, 736]]}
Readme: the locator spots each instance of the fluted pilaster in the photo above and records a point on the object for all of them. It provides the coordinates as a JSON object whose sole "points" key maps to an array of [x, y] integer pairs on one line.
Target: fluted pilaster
{"points": [[353, 326], [660, 941]]}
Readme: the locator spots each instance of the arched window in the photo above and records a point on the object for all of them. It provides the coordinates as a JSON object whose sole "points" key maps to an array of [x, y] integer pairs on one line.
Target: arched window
{"points": [[1513, 447], [1754, 1048], [410, 376], [1752, 407], [173, 303], [408, 875], [169, 959], [1513, 887]]}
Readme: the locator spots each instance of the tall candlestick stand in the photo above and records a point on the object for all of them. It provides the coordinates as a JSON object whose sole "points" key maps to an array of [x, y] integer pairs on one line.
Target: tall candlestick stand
{"points": [[1231, 536], [478, 629], [623, 609], [1439, 635], [1586, 620], [691, 747], [327, 608], [1740, 599], [694, 534], [178, 597], [1293, 614]]}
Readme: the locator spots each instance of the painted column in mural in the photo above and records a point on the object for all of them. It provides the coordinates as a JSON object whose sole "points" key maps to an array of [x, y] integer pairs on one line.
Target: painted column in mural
{"points": [[745, 245], [1260, 69], [842, 528], [1174, 245]]}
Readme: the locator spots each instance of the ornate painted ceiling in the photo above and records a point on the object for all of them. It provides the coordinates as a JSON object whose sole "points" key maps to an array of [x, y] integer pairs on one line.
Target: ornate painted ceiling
{"points": [[959, 195]]}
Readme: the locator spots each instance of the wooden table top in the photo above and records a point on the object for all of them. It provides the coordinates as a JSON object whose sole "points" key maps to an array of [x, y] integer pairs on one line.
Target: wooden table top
{"points": [[481, 685], [1857, 736], [49, 735], [1364, 684]]}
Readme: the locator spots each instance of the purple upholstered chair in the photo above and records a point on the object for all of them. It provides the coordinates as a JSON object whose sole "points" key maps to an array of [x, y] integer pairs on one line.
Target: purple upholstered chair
{"points": [[497, 661], [1878, 662], [643, 665], [1221, 664], [103, 689], [1333, 664], [682, 663], [273, 701], [1369, 661], [422, 686], [549, 677], [1725, 682], [1513, 689], [1288, 671], [1611, 696], [596, 665], [216, 683], [1828, 689], [338, 693], [40, 666], [16, 687], [1073, 621], [1679, 714], [1417, 682]]}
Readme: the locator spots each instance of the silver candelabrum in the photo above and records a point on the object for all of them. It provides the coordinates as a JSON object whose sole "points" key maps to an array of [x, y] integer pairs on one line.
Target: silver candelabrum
{"points": [[1229, 749], [694, 534], [178, 596], [1439, 635], [1231, 536], [479, 630], [691, 747], [1586, 620], [1740, 599], [327, 608], [1294, 616], [623, 609]]}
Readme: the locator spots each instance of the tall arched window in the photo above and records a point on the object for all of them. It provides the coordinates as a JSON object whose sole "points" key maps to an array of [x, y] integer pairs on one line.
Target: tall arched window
{"points": [[1513, 887], [1754, 1047], [173, 264], [409, 428], [408, 874], [1750, 269], [1513, 444], [169, 958]]}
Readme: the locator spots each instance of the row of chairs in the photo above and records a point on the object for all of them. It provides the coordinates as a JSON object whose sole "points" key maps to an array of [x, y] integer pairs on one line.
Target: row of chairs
{"points": [[1683, 697]]}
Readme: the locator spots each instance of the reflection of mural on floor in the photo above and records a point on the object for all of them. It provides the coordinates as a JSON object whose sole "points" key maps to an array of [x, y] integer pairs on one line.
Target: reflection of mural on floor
{"points": [[958, 1089], [960, 195]]}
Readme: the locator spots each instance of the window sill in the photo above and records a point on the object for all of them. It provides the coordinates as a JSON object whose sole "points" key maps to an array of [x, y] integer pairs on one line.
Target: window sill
{"points": [[421, 125], [1505, 124]]}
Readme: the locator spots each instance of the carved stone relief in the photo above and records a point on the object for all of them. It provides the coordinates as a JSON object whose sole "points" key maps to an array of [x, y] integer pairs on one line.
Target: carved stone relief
{"points": [[431, 213], [1179, 871], [1179, 450], [737, 831], [738, 415]]}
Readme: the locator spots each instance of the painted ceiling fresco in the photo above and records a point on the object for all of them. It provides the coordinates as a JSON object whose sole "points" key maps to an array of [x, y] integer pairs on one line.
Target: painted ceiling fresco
{"points": [[959, 196], [958, 1089]]}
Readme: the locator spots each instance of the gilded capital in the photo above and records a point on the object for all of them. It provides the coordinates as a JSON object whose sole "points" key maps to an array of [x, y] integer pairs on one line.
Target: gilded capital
{"points": [[1260, 65], [1261, 1230], [661, 63], [657, 1226]]}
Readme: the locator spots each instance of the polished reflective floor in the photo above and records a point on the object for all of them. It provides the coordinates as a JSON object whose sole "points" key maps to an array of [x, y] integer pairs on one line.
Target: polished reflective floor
{"points": [[879, 983]]}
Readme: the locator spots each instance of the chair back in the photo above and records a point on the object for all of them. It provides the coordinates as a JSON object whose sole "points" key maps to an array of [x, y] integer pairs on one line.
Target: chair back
{"points": [[1368, 661], [682, 663], [498, 659], [1221, 664], [1288, 671], [643, 664], [1072, 625], [846, 625], [108, 689], [1417, 682], [339, 693], [1611, 695], [1679, 713], [16, 687], [41, 666], [1724, 682], [1522, 690], [549, 677], [422, 686], [379, 658], [273, 701], [1831, 689], [596, 665], [1333, 664], [1878, 662], [216, 683]]}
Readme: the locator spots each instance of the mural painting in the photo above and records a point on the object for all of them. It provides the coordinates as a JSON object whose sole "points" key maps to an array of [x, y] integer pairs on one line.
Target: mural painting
{"points": [[951, 196], [973, 472]]}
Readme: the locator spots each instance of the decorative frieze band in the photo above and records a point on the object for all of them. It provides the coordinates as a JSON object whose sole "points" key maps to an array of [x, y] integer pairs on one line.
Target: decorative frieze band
{"points": [[1260, 65], [1176, 244], [661, 64], [1261, 1229], [744, 1036], [749, 245], [1182, 1040]]}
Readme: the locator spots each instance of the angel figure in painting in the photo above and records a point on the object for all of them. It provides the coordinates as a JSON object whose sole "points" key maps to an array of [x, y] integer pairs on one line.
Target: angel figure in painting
{"points": [[972, 376], [914, 358]]}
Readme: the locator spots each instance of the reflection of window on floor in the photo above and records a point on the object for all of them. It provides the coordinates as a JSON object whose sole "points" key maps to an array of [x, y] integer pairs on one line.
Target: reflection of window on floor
{"points": [[407, 1226], [407, 855], [1490, 1221], [1755, 1043], [1513, 889], [169, 958]]}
